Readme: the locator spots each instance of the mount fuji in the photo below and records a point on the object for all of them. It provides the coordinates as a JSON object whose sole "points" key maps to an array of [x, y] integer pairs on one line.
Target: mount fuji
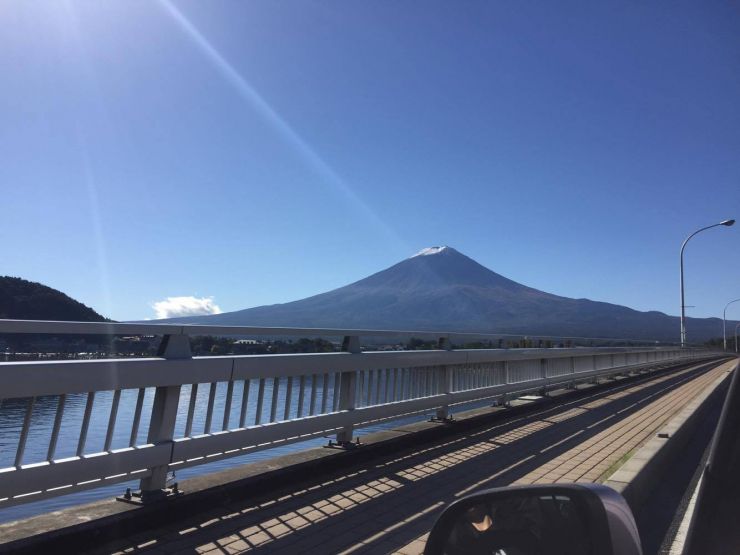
{"points": [[441, 289]]}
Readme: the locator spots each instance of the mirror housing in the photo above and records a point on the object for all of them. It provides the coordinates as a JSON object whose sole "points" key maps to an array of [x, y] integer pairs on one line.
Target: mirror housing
{"points": [[572, 519]]}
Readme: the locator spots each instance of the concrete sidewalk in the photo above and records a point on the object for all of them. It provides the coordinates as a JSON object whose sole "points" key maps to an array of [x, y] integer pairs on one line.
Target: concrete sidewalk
{"points": [[390, 504]]}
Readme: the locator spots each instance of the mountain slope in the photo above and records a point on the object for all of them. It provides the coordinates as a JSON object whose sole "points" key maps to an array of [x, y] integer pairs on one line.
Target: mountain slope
{"points": [[442, 289], [27, 300]]}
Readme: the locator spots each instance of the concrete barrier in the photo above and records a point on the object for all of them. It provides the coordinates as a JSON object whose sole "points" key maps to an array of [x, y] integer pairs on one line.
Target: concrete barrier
{"points": [[637, 477]]}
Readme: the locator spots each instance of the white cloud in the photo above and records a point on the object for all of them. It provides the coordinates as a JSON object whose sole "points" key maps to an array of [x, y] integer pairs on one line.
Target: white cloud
{"points": [[174, 307]]}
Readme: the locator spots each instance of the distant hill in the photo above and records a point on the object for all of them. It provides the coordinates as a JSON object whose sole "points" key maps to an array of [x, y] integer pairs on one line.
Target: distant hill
{"points": [[441, 289], [27, 300]]}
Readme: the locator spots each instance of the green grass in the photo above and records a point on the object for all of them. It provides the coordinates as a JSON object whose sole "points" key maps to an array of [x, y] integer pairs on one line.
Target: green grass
{"points": [[617, 465]]}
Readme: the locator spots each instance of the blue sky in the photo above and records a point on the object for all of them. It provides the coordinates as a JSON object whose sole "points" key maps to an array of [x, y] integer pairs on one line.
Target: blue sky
{"points": [[259, 152]]}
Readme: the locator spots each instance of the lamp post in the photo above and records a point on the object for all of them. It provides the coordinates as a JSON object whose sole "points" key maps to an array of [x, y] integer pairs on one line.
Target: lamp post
{"points": [[683, 246], [738, 326], [724, 322]]}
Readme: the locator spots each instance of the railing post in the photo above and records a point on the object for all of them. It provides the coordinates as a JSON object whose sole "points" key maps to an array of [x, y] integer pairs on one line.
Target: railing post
{"points": [[543, 375], [504, 401], [164, 415], [348, 389], [443, 412], [573, 372], [594, 366]]}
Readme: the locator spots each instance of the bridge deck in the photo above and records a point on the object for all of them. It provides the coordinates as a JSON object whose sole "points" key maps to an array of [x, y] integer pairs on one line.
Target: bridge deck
{"points": [[389, 505]]}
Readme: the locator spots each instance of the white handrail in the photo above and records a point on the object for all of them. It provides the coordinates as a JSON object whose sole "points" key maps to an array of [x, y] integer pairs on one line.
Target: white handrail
{"points": [[130, 328]]}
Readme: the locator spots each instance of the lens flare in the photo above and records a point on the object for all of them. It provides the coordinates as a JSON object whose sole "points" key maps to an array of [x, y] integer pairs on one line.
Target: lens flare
{"points": [[285, 131]]}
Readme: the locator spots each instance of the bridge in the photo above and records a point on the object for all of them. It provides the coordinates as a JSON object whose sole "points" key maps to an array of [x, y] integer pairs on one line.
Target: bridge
{"points": [[498, 416]]}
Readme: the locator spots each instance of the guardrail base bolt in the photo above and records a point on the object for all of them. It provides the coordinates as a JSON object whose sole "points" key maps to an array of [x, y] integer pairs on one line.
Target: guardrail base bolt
{"points": [[343, 445], [146, 497], [444, 420], [504, 402]]}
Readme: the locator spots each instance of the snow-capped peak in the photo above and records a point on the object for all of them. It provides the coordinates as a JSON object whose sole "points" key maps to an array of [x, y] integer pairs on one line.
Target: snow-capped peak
{"points": [[430, 250]]}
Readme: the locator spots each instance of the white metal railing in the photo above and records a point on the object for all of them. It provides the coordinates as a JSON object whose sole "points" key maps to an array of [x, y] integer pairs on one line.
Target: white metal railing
{"points": [[175, 410]]}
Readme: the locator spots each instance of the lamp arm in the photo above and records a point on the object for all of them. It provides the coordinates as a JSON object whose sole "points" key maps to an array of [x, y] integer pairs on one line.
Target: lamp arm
{"points": [[683, 245]]}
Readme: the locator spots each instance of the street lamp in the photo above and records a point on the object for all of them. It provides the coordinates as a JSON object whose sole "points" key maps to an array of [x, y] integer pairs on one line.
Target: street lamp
{"points": [[724, 322], [738, 326], [683, 305]]}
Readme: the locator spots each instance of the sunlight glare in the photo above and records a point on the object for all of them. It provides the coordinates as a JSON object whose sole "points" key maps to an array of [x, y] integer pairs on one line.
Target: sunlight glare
{"points": [[248, 93]]}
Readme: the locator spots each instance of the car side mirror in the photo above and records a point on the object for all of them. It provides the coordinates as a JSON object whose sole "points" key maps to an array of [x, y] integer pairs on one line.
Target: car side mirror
{"points": [[572, 519]]}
